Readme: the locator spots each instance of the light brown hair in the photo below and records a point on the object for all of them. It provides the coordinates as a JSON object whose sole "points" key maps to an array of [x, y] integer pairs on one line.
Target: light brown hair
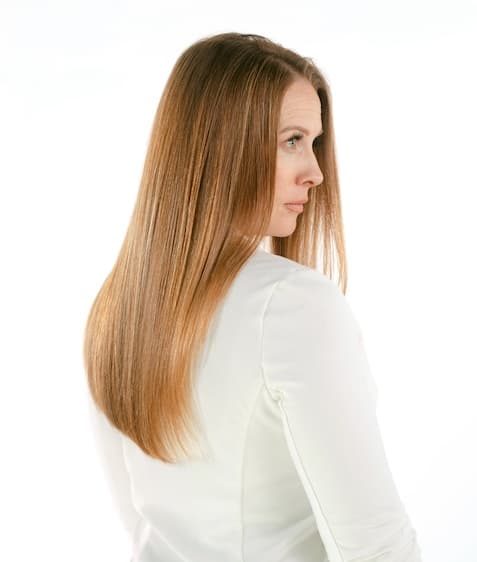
{"points": [[204, 204]]}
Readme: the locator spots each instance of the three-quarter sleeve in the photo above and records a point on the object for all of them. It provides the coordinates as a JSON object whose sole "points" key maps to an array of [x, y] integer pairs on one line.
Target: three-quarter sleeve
{"points": [[109, 446], [315, 365]]}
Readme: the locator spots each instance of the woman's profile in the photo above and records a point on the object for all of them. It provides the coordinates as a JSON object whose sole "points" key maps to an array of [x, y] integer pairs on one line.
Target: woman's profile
{"points": [[231, 395]]}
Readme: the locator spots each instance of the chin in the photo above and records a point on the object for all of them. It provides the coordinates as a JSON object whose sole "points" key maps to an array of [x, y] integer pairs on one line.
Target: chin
{"points": [[282, 230]]}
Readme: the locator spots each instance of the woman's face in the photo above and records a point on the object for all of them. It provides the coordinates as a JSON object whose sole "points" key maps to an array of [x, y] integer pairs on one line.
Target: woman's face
{"points": [[297, 168]]}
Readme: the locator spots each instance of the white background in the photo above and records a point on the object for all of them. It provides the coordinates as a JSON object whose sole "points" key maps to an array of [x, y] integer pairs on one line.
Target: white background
{"points": [[79, 85]]}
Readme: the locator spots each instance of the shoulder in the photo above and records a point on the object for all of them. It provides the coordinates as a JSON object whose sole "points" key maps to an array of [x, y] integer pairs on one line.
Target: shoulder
{"points": [[311, 339], [306, 291], [280, 271], [288, 292], [304, 307]]}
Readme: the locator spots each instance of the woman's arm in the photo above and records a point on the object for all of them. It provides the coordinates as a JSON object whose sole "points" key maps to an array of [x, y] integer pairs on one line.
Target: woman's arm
{"points": [[315, 364]]}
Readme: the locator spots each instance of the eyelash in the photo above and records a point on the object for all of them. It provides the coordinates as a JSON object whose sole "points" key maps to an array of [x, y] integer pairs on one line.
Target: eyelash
{"points": [[316, 142]]}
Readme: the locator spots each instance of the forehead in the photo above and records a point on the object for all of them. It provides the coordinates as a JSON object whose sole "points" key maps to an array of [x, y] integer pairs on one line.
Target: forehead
{"points": [[301, 103]]}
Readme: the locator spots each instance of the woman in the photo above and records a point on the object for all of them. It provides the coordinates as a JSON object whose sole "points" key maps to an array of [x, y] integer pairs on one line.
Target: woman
{"points": [[232, 398]]}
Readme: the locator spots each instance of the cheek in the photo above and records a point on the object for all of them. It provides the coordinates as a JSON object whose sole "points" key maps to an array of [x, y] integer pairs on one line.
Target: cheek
{"points": [[283, 181], [284, 169], [281, 165]]}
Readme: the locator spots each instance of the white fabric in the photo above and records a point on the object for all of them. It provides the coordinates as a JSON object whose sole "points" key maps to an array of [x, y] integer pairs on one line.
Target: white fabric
{"points": [[295, 469]]}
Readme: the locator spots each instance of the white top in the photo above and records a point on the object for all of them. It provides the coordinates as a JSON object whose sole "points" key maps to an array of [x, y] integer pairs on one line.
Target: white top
{"points": [[295, 469]]}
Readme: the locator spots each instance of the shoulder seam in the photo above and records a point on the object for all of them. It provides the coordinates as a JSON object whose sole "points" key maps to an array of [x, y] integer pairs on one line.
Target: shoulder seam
{"points": [[274, 393]]}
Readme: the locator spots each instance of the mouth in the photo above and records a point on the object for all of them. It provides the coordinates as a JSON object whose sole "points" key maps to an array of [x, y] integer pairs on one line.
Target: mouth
{"points": [[296, 207]]}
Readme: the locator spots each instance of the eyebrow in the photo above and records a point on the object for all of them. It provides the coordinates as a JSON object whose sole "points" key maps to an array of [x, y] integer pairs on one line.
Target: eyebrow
{"points": [[302, 129]]}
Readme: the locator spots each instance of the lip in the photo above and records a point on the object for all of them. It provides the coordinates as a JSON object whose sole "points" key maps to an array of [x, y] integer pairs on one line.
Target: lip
{"points": [[297, 202], [296, 207]]}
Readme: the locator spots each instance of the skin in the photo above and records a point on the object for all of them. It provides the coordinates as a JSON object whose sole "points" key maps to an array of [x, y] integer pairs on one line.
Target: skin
{"points": [[297, 169]]}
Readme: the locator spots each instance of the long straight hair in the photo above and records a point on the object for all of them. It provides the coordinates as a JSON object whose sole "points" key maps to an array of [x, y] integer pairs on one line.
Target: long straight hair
{"points": [[204, 204]]}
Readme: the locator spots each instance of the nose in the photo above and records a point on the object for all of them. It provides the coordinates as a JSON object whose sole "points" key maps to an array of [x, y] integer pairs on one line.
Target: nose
{"points": [[312, 174]]}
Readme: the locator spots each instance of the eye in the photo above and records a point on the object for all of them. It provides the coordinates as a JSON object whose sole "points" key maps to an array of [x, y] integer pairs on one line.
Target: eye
{"points": [[295, 138], [316, 141]]}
